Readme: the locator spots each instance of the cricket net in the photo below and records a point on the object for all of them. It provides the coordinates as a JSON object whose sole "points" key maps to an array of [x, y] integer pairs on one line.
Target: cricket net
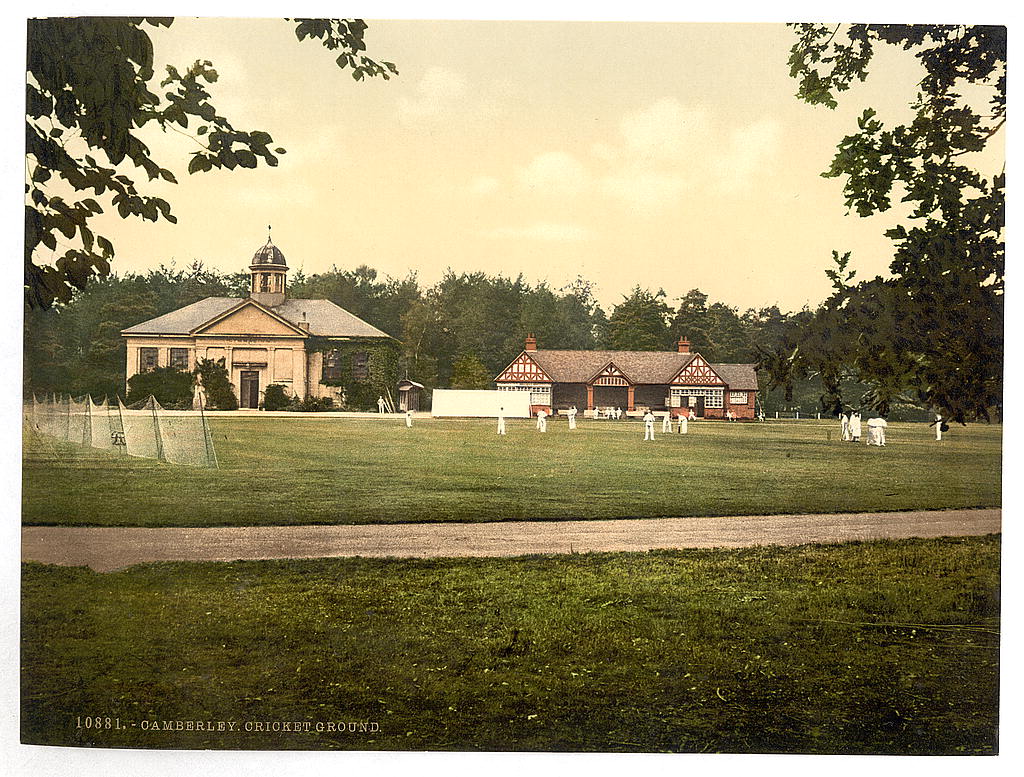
{"points": [[144, 429]]}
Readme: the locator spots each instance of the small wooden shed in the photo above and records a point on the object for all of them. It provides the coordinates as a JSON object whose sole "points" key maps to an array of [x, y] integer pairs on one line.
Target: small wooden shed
{"points": [[409, 395]]}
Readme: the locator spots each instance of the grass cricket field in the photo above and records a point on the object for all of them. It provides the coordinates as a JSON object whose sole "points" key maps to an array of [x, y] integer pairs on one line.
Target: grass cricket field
{"points": [[287, 471]]}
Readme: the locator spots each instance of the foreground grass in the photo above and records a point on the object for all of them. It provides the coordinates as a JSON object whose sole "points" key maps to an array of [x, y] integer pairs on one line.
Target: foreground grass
{"points": [[881, 647], [280, 471]]}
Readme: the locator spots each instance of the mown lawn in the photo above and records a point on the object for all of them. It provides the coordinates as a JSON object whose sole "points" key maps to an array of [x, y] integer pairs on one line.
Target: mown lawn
{"points": [[278, 471], [880, 647]]}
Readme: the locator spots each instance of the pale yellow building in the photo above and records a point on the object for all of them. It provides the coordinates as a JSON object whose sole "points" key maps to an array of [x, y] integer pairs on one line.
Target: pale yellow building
{"points": [[311, 347]]}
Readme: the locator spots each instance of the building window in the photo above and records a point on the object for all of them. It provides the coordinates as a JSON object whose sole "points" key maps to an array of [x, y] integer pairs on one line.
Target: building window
{"points": [[147, 359], [360, 366], [179, 358], [540, 393], [713, 397], [332, 365], [737, 397]]}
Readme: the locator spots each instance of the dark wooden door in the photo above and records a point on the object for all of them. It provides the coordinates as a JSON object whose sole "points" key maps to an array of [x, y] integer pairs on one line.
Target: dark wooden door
{"points": [[250, 389]]}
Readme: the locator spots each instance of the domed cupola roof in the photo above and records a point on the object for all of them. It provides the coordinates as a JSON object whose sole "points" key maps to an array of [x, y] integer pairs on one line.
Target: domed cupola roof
{"points": [[269, 254]]}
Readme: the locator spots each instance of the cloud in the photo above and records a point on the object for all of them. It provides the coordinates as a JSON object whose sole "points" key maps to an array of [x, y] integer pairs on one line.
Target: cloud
{"points": [[748, 153], [435, 93], [556, 173], [644, 190], [664, 130], [483, 185], [544, 231]]}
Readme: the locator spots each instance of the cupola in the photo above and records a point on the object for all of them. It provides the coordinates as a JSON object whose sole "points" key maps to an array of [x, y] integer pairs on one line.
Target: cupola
{"points": [[268, 275]]}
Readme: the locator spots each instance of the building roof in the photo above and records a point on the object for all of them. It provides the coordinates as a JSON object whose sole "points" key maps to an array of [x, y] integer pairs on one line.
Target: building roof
{"points": [[739, 377], [325, 319], [642, 367], [638, 366], [269, 254], [184, 320]]}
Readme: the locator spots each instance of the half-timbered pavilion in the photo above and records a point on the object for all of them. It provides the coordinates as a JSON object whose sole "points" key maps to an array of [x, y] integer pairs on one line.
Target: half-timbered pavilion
{"points": [[677, 381]]}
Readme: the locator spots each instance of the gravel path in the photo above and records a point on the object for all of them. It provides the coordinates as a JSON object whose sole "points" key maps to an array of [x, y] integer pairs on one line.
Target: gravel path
{"points": [[106, 549]]}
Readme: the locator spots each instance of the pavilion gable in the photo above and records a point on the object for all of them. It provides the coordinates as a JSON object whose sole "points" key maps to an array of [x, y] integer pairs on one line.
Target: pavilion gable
{"points": [[523, 370], [610, 375], [697, 373], [249, 318]]}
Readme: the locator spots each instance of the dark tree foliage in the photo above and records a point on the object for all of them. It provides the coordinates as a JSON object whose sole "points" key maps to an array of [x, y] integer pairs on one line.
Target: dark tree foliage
{"points": [[91, 86], [213, 375], [470, 373], [933, 332], [275, 398], [171, 387], [640, 322], [78, 348]]}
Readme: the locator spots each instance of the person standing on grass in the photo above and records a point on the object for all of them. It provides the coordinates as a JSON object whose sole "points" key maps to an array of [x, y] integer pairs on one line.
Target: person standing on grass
{"points": [[683, 423], [542, 420], [940, 427], [501, 421], [855, 427], [618, 414], [380, 404], [648, 425], [408, 419], [572, 417], [666, 423], [876, 431], [844, 426]]}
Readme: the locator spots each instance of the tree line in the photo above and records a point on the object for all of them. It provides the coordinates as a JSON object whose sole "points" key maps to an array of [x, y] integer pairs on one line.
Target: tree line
{"points": [[458, 333]]}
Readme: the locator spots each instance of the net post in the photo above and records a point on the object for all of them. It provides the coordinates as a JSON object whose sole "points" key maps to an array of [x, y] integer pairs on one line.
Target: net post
{"points": [[156, 429], [211, 454]]}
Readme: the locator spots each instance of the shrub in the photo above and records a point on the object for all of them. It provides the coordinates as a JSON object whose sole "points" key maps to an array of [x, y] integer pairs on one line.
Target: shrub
{"points": [[220, 394], [275, 398], [170, 386], [315, 405]]}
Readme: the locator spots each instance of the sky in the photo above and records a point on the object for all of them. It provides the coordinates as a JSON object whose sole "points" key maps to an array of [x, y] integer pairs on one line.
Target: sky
{"points": [[667, 155]]}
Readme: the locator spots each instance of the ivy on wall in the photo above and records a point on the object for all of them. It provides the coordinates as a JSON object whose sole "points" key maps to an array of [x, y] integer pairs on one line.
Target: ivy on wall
{"points": [[381, 368]]}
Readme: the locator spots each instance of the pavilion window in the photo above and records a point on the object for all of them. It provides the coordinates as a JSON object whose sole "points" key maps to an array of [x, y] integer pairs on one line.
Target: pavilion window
{"points": [[179, 358], [360, 366], [737, 397], [332, 366], [540, 393], [713, 397], [148, 359]]}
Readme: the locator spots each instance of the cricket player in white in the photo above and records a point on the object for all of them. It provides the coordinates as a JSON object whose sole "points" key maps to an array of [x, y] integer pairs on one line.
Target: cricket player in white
{"points": [[937, 423], [542, 421], [501, 421], [666, 423], [844, 425], [408, 419], [683, 423], [855, 427], [648, 425], [572, 417]]}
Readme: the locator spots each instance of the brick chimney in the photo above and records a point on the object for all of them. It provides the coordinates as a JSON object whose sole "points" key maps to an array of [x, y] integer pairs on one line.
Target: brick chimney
{"points": [[683, 345], [531, 342]]}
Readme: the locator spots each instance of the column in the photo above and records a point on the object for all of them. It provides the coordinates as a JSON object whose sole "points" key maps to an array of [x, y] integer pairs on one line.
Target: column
{"points": [[299, 370], [629, 398]]}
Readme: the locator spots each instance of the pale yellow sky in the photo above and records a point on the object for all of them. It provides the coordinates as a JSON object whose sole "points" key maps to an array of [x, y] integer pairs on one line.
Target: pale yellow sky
{"points": [[662, 154]]}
